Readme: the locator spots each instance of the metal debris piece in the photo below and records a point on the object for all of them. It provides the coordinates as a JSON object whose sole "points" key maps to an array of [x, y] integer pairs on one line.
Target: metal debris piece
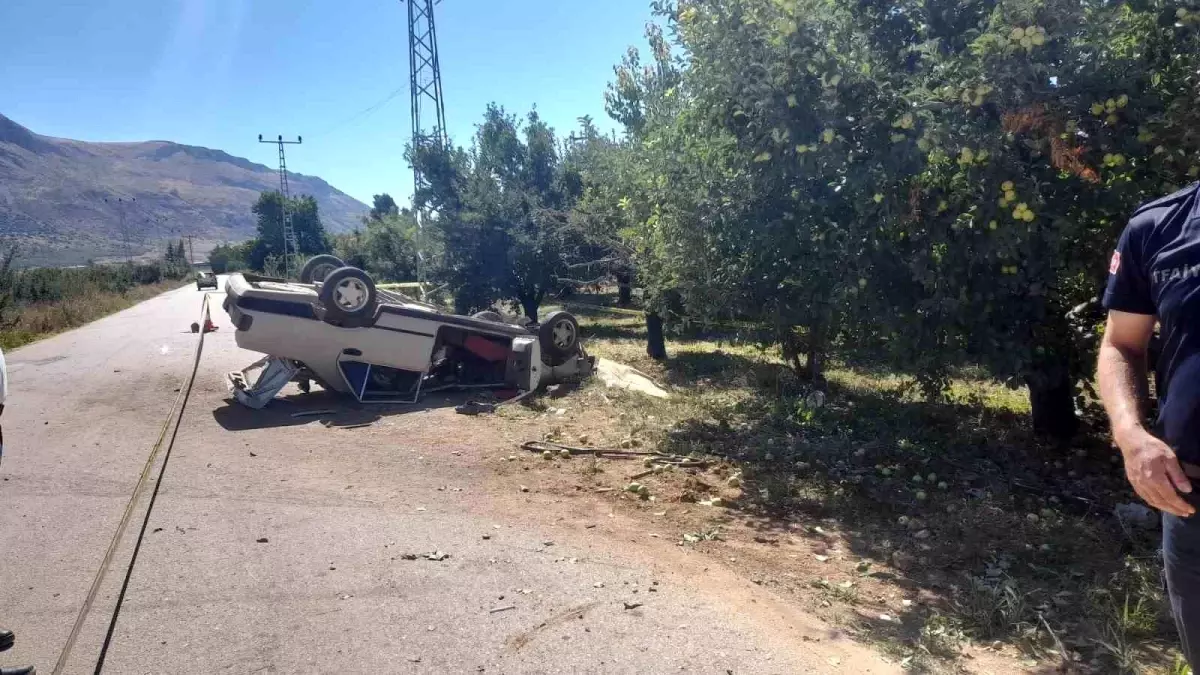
{"points": [[256, 392], [474, 407]]}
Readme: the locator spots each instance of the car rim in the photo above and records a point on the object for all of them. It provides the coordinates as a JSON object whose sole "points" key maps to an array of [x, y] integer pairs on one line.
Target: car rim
{"points": [[351, 295], [564, 334]]}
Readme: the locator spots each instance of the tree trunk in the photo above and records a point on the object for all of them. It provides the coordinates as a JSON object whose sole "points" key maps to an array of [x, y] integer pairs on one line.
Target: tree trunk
{"points": [[530, 305], [624, 289], [816, 356], [1052, 402], [656, 345]]}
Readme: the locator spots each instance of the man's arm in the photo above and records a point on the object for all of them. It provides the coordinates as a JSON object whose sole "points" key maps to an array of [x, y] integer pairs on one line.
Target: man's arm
{"points": [[1150, 464]]}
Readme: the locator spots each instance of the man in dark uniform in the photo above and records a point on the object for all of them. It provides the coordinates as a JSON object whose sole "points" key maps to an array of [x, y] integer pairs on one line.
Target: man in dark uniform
{"points": [[1154, 276]]}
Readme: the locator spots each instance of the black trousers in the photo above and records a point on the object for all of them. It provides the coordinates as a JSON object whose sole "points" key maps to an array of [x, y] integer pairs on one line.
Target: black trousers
{"points": [[1181, 555]]}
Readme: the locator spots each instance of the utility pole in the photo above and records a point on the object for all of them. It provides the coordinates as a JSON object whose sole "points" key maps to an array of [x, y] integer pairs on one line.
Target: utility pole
{"points": [[428, 106], [191, 253], [285, 218], [125, 233]]}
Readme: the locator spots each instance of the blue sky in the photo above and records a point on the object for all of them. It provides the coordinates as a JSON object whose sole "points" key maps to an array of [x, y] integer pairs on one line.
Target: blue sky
{"points": [[217, 73]]}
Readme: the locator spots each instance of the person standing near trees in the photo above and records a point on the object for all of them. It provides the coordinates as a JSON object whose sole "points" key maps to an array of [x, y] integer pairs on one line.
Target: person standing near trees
{"points": [[1154, 277]]}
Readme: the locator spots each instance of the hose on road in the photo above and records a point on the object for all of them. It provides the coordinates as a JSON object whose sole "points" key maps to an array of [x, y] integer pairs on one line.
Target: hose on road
{"points": [[174, 415]]}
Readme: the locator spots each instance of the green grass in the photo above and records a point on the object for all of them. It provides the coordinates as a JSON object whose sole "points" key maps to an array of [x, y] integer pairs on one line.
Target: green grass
{"points": [[1023, 548]]}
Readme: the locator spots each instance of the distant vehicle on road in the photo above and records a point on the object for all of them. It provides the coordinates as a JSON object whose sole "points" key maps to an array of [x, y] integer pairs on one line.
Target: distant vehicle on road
{"points": [[336, 328], [206, 280]]}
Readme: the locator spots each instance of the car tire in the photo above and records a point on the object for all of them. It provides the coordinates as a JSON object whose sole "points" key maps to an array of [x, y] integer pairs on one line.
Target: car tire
{"points": [[319, 267], [489, 315], [559, 335], [349, 297]]}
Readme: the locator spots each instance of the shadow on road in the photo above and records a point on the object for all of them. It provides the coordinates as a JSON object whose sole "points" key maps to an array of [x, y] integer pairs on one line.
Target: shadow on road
{"points": [[330, 409]]}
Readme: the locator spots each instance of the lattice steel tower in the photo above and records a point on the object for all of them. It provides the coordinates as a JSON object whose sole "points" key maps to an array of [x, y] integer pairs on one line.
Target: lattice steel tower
{"points": [[425, 78], [428, 107], [290, 247]]}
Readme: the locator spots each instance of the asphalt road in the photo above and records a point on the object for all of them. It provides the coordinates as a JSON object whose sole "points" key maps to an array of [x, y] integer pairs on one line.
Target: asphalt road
{"points": [[279, 545]]}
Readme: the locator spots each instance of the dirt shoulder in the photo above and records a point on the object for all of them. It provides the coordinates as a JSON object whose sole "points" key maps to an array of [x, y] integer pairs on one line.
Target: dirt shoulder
{"points": [[942, 533], [803, 573]]}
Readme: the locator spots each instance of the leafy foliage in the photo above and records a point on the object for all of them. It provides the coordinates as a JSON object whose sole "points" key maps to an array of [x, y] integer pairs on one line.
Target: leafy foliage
{"points": [[382, 206], [929, 182], [501, 213], [386, 247], [306, 221], [935, 182]]}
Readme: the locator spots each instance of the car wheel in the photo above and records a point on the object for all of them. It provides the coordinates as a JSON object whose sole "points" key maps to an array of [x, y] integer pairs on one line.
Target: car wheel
{"points": [[348, 295], [319, 267], [559, 334], [488, 316]]}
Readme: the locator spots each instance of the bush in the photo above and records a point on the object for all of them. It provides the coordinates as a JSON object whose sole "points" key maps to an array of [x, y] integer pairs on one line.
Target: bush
{"points": [[20, 289]]}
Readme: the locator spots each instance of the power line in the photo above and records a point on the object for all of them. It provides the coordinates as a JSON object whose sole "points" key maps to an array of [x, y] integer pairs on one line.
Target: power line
{"points": [[364, 112]]}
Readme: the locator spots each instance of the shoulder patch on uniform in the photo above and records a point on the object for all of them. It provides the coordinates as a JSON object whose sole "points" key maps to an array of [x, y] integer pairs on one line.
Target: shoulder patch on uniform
{"points": [[1169, 200], [1115, 263]]}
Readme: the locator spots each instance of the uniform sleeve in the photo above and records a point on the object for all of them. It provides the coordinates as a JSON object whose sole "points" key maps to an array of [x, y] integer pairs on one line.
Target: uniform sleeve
{"points": [[1128, 279]]}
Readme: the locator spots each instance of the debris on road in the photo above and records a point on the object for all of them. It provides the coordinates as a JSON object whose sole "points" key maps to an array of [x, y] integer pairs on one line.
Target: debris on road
{"points": [[330, 424], [313, 413], [437, 556], [505, 608], [474, 407], [655, 460], [262, 540], [632, 605], [621, 376]]}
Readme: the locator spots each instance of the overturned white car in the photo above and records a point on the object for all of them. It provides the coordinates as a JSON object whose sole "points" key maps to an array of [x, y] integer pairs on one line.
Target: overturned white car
{"points": [[336, 328]]}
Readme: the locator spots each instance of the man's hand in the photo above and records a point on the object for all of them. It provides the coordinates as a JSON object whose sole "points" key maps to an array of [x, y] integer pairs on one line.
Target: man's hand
{"points": [[1155, 473]]}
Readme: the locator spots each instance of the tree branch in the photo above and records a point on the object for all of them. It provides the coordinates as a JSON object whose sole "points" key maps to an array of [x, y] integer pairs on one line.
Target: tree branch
{"points": [[577, 282], [602, 261]]}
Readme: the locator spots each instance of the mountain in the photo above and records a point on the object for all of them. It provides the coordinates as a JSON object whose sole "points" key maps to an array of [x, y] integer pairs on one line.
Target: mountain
{"points": [[59, 197]]}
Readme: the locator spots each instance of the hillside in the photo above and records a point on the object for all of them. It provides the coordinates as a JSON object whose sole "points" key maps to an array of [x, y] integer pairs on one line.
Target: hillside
{"points": [[53, 195]]}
